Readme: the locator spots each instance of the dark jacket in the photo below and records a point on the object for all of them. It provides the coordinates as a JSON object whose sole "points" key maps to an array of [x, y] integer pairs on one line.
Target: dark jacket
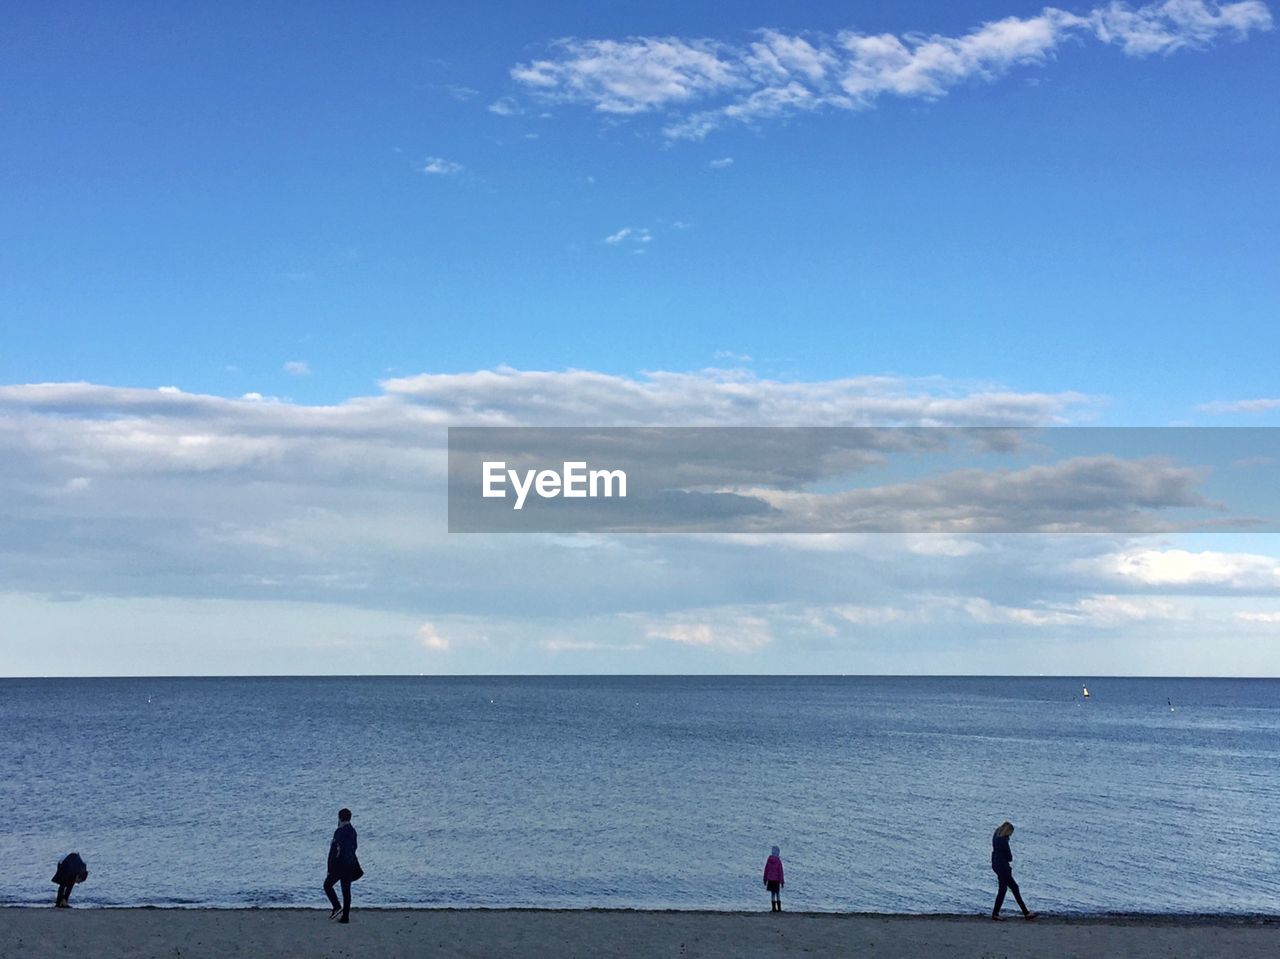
{"points": [[1001, 854], [69, 869], [343, 863]]}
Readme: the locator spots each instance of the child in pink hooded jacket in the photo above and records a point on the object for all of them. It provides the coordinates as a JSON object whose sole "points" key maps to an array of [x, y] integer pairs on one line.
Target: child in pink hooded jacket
{"points": [[773, 879]]}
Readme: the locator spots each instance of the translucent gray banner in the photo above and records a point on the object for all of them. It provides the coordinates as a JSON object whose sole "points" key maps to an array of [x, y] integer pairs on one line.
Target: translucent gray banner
{"points": [[951, 480]]}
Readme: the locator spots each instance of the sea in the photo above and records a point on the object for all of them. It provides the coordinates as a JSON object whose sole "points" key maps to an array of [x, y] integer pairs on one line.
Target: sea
{"points": [[1151, 795]]}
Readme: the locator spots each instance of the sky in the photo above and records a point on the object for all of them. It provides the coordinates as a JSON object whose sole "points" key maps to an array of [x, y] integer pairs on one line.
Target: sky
{"points": [[257, 257]]}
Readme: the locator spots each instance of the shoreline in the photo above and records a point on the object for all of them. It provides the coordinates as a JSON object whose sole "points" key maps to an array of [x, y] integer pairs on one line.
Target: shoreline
{"points": [[1067, 918], [291, 932]]}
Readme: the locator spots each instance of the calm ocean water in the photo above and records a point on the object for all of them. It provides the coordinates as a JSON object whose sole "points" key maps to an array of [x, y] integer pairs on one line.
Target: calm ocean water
{"points": [[646, 792]]}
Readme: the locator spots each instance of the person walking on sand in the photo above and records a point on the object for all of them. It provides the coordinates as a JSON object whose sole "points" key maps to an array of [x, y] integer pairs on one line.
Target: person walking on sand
{"points": [[70, 871], [344, 867], [773, 879], [1002, 866]]}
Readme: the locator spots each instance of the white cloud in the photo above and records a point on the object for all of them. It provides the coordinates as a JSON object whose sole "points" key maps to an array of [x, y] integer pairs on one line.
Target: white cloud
{"points": [[439, 166], [460, 92], [297, 368], [1180, 567], [118, 491], [588, 646], [629, 234], [196, 493], [630, 76], [873, 615], [733, 631], [984, 611], [429, 638], [505, 107], [703, 84], [509, 397], [936, 545], [1171, 25], [1081, 494], [1105, 611], [106, 635], [327, 523], [1254, 617], [721, 164], [1260, 405], [1100, 612]]}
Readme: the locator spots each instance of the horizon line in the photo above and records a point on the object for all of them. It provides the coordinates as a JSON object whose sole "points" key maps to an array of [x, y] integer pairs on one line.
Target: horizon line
{"points": [[1092, 677]]}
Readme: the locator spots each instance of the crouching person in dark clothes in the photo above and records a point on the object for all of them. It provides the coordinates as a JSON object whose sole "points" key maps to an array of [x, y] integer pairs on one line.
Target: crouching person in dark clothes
{"points": [[344, 867], [70, 871]]}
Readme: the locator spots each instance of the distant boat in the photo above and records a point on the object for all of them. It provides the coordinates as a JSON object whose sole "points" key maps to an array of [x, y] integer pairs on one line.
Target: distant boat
{"points": [[1085, 691]]}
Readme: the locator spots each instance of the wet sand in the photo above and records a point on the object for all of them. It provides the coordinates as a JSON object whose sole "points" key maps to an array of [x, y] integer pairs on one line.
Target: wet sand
{"points": [[141, 933]]}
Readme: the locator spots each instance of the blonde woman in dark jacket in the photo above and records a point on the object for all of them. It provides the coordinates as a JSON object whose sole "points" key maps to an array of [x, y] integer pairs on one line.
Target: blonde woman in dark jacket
{"points": [[1002, 866]]}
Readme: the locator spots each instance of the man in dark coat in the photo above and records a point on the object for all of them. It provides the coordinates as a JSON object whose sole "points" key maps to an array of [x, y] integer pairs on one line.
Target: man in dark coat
{"points": [[71, 870], [344, 867]]}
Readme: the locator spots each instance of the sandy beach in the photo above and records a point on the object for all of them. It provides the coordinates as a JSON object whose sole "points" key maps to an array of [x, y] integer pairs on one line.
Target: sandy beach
{"points": [[33, 933]]}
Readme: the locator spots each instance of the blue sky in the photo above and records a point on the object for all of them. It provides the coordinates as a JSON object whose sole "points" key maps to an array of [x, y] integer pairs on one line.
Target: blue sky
{"points": [[1076, 206], [243, 187]]}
